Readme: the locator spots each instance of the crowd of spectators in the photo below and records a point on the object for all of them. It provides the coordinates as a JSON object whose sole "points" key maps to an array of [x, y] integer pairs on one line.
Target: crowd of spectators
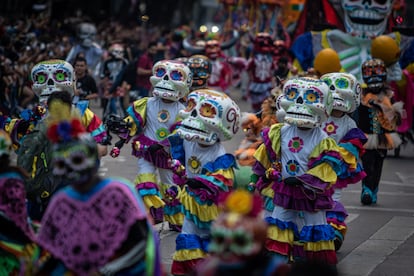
{"points": [[25, 41]]}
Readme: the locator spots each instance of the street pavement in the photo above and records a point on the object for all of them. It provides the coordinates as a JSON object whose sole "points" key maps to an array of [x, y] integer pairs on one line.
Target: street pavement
{"points": [[380, 238]]}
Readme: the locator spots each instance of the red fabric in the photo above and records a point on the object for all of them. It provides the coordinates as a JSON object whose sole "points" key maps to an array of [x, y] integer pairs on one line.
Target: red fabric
{"points": [[184, 268], [327, 256], [145, 62], [278, 247]]}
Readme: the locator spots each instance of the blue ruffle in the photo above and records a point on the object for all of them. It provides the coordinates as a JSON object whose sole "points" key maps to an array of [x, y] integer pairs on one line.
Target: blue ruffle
{"points": [[172, 210], [200, 224], [282, 225], [148, 192], [315, 233], [189, 241], [223, 162], [302, 49], [177, 148]]}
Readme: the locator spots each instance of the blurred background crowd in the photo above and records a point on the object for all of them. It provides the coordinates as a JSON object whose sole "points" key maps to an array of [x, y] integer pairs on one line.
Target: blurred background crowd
{"points": [[36, 30]]}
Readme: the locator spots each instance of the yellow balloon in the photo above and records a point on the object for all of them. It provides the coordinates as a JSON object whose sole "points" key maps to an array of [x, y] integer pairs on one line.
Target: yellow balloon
{"points": [[386, 48], [327, 61]]}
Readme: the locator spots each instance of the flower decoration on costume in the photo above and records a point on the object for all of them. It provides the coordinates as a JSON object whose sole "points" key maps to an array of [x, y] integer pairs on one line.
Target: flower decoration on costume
{"points": [[292, 167], [242, 202], [162, 133], [194, 164], [295, 144], [63, 127], [330, 128]]}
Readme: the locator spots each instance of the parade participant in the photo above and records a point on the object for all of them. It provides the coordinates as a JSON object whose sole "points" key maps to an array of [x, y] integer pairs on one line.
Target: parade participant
{"points": [[203, 169], [28, 133], [87, 46], [238, 238], [144, 71], [342, 128], [151, 120], [112, 67], [302, 174], [261, 70], [16, 231], [378, 118], [116, 237]]}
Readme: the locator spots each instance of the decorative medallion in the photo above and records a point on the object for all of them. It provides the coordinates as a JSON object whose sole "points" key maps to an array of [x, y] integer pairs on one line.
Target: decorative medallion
{"points": [[195, 164], [295, 144], [163, 116], [330, 128], [292, 167]]}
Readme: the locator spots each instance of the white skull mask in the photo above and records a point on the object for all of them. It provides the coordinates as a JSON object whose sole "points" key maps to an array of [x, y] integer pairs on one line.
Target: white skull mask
{"points": [[87, 33], [50, 76], [210, 117], [307, 102], [346, 91], [366, 18], [171, 80]]}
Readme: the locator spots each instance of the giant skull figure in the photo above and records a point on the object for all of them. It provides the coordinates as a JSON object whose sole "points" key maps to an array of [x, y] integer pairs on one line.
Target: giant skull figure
{"points": [[210, 117], [366, 18], [87, 33], [52, 75], [307, 102]]}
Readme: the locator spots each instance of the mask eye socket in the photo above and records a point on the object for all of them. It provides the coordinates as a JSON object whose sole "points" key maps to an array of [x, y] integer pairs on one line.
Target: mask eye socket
{"points": [[311, 96], [176, 75], [59, 166], [160, 72], [60, 76], [291, 93], [40, 78], [207, 110], [78, 161], [342, 83], [242, 242]]}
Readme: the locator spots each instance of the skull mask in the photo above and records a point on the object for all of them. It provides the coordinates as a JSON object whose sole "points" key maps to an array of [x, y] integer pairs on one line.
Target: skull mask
{"points": [[210, 117], [346, 91], [50, 76], [117, 51], [200, 66], [263, 43], [171, 80], [374, 74], [87, 33], [213, 49], [307, 102], [366, 18]]}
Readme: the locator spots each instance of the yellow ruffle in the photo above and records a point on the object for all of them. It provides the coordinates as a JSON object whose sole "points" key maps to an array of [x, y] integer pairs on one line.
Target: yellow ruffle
{"points": [[153, 201], [261, 153], [177, 219], [277, 234], [204, 213], [324, 172], [327, 144], [227, 173], [145, 177], [268, 192], [189, 254], [349, 158], [319, 246]]}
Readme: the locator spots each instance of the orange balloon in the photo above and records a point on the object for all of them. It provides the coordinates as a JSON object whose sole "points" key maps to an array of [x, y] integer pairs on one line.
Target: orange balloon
{"points": [[327, 61], [386, 48]]}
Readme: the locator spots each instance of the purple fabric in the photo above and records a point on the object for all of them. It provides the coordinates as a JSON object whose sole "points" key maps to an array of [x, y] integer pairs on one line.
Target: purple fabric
{"points": [[13, 204], [146, 186], [301, 199], [211, 192], [355, 133], [162, 157], [343, 183], [314, 182], [338, 207], [85, 234]]}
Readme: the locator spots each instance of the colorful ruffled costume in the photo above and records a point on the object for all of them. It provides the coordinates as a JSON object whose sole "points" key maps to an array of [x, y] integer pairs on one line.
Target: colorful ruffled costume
{"points": [[213, 169], [153, 120], [315, 160], [351, 139]]}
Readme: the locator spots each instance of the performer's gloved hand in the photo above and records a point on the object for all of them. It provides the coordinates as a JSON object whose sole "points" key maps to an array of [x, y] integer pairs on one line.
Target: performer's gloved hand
{"points": [[292, 181], [195, 184], [154, 150]]}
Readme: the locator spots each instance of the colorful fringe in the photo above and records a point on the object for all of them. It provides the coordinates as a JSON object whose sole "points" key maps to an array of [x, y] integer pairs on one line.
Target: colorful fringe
{"points": [[150, 194]]}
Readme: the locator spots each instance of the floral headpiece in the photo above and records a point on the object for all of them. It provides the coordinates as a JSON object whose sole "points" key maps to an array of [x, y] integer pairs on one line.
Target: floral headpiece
{"points": [[63, 125]]}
